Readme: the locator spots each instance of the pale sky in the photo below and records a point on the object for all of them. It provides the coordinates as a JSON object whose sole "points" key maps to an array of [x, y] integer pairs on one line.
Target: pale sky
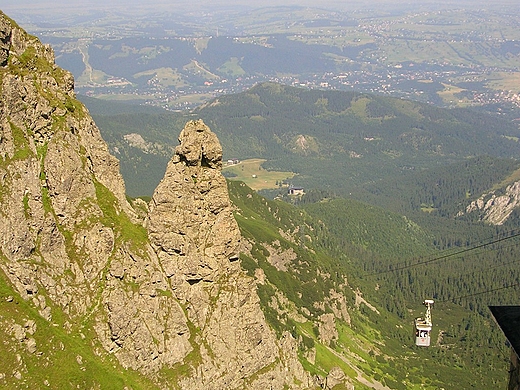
{"points": [[332, 4], [29, 11]]}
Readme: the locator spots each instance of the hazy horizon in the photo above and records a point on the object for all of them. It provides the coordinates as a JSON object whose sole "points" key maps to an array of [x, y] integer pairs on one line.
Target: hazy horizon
{"points": [[34, 6]]}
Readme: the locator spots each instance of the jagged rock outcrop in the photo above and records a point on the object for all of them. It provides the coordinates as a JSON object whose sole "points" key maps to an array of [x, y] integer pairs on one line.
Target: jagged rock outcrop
{"points": [[196, 237], [190, 222], [53, 157], [496, 208], [167, 295], [63, 204]]}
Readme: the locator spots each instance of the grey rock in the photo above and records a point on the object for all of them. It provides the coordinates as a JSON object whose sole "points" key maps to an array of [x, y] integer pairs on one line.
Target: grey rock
{"points": [[190, 222], [18, 332], [496, 209], [5, 38], [31, 345]]}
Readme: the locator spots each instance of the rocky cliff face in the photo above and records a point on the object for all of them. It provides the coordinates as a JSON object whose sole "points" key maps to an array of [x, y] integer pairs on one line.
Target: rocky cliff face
{"points": [[164, 293], [197, 240], [495, 207]]}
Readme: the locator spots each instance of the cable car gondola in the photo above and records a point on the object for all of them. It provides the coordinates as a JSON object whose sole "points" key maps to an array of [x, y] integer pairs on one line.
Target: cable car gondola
{"points": [[423, 327]]}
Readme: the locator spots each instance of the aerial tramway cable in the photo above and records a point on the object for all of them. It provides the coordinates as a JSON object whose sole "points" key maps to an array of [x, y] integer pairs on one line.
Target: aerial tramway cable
{"points": [[481, 292], [492, 241], [443, 257], [492, 267]]}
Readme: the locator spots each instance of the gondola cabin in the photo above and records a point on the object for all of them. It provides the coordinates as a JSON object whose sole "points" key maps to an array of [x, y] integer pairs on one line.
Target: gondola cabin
{"points": [[423, 327], [422, 333]]}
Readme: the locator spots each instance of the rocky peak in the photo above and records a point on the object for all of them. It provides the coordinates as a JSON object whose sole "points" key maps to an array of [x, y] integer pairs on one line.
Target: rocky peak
{"points": [[495, 207], [197, 240], [191, 224], [13, 40], [199, 146], [5, 39]]}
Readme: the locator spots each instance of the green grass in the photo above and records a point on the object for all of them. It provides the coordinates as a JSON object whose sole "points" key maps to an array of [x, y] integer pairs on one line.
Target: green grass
{"points": [[250, 172], [21, 144], [46, 201], [232, 67], [136, 235], [62, 360], [326, 360], [26, 207], [166, 77]]}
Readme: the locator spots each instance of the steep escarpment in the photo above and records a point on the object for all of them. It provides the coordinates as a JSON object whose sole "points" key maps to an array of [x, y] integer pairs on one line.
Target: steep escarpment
{"points": [[65, 221], [53, 163], [162, 291]]}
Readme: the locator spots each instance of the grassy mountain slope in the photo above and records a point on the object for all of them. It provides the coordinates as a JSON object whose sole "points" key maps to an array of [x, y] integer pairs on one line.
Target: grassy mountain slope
{"points": [[404, 158], [49, 355], [304, 262], [341, 316]]}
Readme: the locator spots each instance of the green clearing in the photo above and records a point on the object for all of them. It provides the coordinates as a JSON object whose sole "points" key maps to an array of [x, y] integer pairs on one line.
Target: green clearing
{"points": [[251, 172], [166, 77], [419, 51], [450, 95], [187, 99], [232, 67], [93, 76], [507, 81], [335, 37]]}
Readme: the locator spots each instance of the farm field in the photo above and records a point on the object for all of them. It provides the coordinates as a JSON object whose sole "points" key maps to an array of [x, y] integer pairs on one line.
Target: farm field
{"points": [[251, 172]]}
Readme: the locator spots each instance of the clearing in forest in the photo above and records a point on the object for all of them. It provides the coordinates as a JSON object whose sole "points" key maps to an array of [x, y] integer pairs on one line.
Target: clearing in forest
{"points": [[251, 172]]}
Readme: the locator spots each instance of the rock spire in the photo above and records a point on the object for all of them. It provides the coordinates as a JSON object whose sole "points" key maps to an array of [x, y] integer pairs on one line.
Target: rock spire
{"points": [[191, 223], [193, 231]]}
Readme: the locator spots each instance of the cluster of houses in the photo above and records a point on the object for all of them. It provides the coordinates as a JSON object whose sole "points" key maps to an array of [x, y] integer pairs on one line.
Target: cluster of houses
{"points": [[233, 161]]}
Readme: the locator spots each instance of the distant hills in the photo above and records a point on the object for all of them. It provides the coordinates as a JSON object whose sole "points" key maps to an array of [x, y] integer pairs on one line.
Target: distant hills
{"points": [[176, 58], [339, 142]]}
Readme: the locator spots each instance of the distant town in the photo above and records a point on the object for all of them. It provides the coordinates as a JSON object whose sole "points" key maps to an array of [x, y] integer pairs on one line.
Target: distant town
{"points": [[390, 82], [450, 58]]}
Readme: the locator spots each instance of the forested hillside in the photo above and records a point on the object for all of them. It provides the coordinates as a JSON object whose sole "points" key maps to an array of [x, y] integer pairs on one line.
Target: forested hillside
{"points": [[306, 259], [365, 138], [442, 191], [441, 258]]}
